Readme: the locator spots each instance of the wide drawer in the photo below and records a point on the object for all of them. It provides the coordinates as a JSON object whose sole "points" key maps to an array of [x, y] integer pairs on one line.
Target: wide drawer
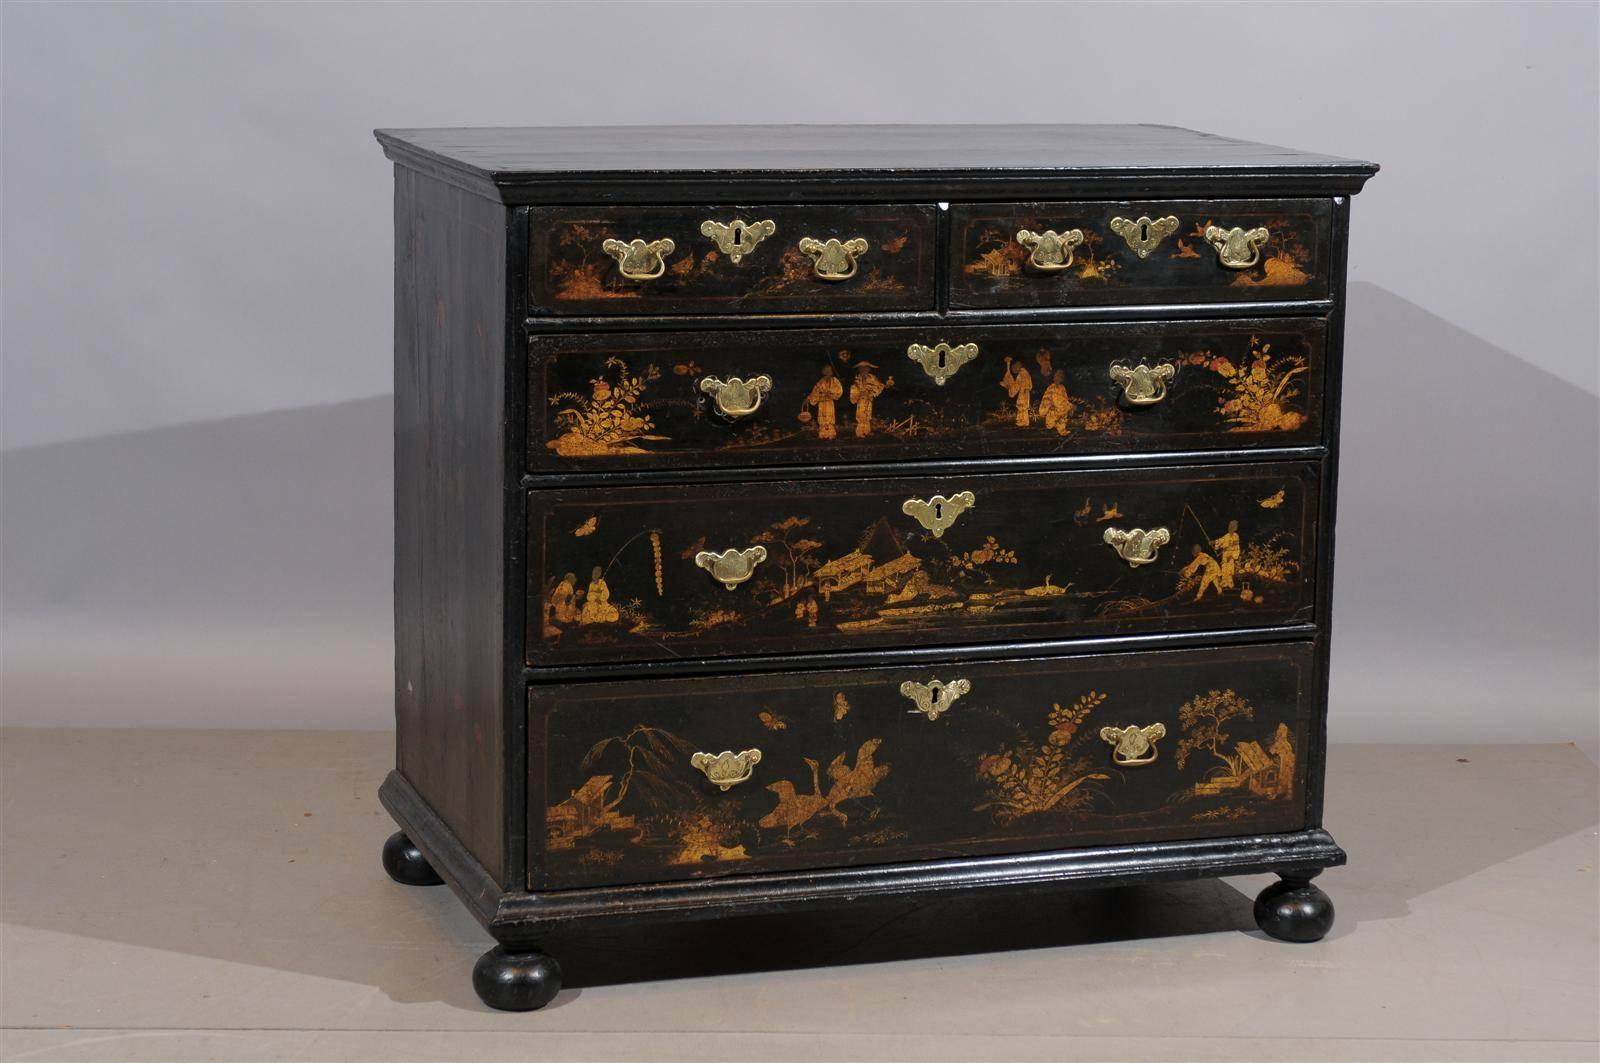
{"points": [[646, 573], [1089, 254], [681, 400], [848, 767], [695, 259]]}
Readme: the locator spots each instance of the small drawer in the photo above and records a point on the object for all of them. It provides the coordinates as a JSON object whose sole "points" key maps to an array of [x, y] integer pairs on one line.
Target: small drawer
{"points": [[731, 259], [656, 780], [686, 400], [801, 566], [1130, 253]]}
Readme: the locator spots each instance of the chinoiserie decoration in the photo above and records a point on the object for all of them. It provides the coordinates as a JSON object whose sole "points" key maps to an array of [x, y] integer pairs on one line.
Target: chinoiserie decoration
{"points": [[731, 567], [935, 696], [1051, 251], [736, 397], [938, 513], [1237, 248], [1132, 746], [941, 361], [737, 238], [640, 260], [1143, 384], [1137, 546], [833, 260], [727, 768], [1145, 233]]}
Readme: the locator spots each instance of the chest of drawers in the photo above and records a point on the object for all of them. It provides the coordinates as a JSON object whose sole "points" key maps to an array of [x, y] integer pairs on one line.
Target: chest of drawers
{"points": [[792, 517]]}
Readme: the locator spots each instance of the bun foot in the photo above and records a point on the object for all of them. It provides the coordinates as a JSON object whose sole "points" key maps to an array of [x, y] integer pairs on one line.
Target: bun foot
{"points": [[1294, 910], [406, 864], [516, 981]]}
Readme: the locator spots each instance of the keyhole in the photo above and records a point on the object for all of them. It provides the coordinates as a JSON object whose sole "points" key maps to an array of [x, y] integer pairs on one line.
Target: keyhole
{"points": [[937, 694], [1144, 232], [941, 355], [938, 511]]}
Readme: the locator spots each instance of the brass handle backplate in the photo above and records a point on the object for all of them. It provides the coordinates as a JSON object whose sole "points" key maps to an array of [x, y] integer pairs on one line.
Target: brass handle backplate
{"points": [[934, 697], [1143, 384], [941, 361], [833, 260], [737, 238], [735, 397], [731, 567], [1237, 248], [1144, 234], [1051, 251], [727, 768], [1132, 746], [640, 260], [1137, 546], [938, 513]]}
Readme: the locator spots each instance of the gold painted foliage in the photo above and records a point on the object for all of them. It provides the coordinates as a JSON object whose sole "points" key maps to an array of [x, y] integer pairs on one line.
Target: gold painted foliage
{"points": [[1259, 394], [1026, 778], [608, 419], [973, 561], [1204, 719]]}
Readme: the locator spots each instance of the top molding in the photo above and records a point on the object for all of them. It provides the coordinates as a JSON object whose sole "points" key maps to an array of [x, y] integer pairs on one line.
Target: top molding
{"points": [[592, 164]]}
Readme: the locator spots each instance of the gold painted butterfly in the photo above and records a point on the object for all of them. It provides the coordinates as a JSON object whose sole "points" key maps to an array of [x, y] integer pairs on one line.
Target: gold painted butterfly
{"points": [[1274, 502], [772, 721], [586, 528]]}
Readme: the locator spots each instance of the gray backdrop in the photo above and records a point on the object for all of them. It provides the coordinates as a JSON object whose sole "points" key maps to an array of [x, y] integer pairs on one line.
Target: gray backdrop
{"points": [[194, 510]]}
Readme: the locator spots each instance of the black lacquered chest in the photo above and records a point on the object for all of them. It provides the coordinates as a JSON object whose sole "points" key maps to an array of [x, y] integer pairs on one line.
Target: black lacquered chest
{"points": [[790, 518]]}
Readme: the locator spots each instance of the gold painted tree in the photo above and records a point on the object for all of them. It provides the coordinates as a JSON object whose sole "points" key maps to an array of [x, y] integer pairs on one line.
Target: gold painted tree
{"points": [[1204, 719]]}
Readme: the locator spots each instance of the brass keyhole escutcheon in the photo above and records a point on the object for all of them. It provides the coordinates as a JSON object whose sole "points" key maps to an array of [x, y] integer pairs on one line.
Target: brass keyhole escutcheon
{"points": [[1137, 546], [1237, 248], [1143, 384], [731, 567], [932, 698], [833, 260], [1050, 251], [941, 361], [1132, 746], [735, 398], [1144, 234], [727, 768], [737, 238], [640, 260], [938, 513]]}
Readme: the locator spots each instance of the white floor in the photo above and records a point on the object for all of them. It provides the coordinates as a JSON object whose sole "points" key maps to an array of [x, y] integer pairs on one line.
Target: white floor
{"points": [[198, 895]]}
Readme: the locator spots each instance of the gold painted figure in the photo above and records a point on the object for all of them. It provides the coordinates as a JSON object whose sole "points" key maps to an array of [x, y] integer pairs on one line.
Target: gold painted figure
{"points": [[1283, 754], [564, 600], [1206, 565], [1018, 383], [1227, 548], [824, 393], [597, 607], [1056, 405], [866, 387]]}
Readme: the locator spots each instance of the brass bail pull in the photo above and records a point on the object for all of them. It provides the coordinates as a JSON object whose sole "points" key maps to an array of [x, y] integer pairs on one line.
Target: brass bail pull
{"points": [[734, 397], [1137, 546], [1237, 248], [727, 768], [1133, 746], [1050, 251], [731, 567], [833, 260], [640, 260], [1143, 384]]}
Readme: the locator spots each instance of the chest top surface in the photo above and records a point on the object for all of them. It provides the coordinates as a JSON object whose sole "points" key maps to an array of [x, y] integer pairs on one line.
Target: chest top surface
{"points": [[521, 156]]}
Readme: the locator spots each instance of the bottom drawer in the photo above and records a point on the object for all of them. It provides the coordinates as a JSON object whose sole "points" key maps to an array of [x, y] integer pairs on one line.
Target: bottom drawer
{"points": [[879, 765]]}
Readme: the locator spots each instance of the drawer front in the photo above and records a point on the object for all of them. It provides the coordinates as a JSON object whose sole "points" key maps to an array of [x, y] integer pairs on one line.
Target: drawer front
{"points": [[585, 260], [1280, 250], [811, 565], [678, 400], [1029, 755]]}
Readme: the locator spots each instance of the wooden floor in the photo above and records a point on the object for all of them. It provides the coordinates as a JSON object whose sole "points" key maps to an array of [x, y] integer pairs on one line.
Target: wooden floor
{"points": [[216, 895]]}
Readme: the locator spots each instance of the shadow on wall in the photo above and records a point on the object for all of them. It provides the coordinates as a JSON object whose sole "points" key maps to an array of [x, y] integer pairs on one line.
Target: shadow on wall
{"points": [[1467, 560], [237, 573]]}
